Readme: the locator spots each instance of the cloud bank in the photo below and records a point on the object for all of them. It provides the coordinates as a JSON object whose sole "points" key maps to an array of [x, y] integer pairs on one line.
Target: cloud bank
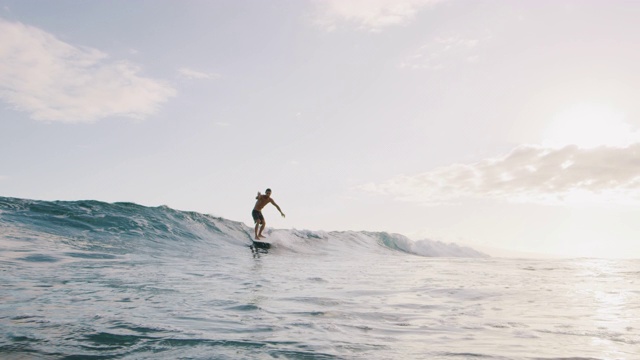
{"points": [[369, 15], [528, 174], [56, 81]]}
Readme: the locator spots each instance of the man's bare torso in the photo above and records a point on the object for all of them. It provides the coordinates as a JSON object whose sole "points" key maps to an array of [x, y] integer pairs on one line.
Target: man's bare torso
{"points": [[263, 200]]}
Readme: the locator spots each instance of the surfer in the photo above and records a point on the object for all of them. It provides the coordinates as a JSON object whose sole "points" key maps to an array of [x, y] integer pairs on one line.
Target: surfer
{"points": [[262, 201]]}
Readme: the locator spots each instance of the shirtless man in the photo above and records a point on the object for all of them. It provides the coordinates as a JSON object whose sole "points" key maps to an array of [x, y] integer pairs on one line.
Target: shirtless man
{"points": [[263, 200]]}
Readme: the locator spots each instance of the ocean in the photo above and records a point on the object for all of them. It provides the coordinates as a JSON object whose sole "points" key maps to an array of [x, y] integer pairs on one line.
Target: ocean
{"points": [[92, 280]]}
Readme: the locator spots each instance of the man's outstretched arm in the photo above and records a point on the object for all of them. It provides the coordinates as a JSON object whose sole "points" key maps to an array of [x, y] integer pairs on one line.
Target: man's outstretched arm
{"points": [[277, 207]]}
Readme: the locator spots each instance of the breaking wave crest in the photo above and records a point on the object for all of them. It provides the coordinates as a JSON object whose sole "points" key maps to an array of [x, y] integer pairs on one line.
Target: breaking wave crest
{"points": [[127, 228]]}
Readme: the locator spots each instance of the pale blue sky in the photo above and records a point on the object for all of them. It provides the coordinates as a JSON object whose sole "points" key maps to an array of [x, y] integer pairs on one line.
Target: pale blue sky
{"points": [[446, 120]]}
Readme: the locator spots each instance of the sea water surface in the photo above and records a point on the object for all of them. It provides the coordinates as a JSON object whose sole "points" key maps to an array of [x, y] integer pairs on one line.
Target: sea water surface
{"points": [[90, 280]]}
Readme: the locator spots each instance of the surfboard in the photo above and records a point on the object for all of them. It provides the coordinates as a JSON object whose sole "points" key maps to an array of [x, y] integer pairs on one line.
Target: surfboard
{"points": [[261, 245]]}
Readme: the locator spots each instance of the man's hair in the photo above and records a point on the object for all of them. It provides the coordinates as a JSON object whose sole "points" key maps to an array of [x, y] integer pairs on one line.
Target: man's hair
{"points": [[268, 190]]}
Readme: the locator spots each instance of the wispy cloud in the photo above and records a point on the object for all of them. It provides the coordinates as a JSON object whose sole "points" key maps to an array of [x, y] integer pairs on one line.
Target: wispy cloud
{"points": [[197, 75], [371, 15], [528, 174], [56, 81], [441, 51]]}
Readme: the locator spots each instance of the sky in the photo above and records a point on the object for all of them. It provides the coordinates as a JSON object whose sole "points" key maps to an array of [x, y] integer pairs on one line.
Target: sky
{"points": [[509, 126]]}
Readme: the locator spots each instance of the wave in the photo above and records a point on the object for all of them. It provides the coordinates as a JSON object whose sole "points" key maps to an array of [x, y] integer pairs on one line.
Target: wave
{"points": [[101, 229]]}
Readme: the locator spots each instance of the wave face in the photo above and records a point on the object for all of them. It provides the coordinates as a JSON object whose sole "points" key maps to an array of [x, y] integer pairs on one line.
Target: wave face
{"points": [[103, 229]]}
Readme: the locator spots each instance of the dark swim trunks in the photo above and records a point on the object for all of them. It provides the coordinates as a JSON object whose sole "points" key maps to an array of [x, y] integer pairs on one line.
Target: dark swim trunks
{"points": [[257, 216]]}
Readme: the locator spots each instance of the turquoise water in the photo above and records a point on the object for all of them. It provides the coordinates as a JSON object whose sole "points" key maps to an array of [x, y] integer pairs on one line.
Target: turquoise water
{"points": [[89, 280]]}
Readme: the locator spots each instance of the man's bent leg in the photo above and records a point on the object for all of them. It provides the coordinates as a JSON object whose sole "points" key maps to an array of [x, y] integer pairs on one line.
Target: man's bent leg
{"points": [[261, 229]]}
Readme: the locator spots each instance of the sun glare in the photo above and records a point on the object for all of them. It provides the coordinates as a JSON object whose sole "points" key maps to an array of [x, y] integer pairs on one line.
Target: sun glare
{"points": [[589, 125]]}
